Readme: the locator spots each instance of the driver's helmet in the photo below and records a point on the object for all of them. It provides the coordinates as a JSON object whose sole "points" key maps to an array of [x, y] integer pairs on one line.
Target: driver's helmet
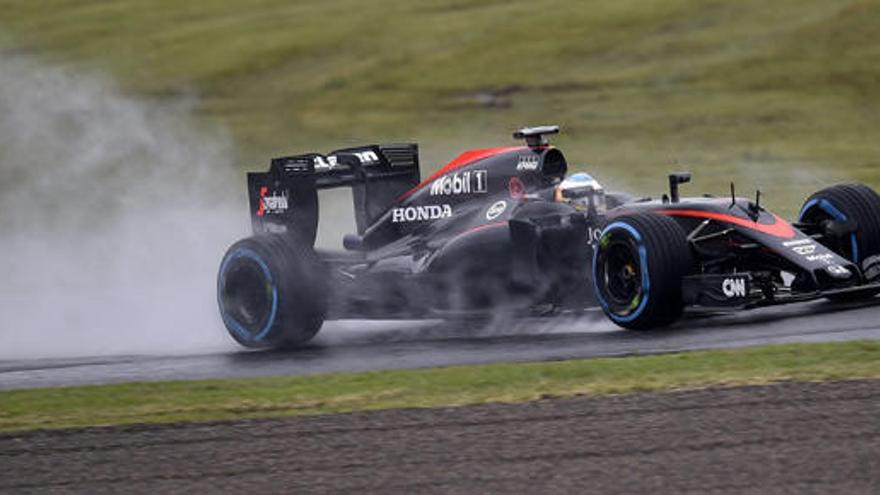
{"points": [[582, 192]]}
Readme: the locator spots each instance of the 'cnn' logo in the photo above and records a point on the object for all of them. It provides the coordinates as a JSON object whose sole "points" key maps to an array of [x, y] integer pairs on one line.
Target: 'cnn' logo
{"points": [[734, 287]]}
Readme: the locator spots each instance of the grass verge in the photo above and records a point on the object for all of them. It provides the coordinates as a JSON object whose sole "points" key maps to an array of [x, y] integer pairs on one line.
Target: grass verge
{"points": [[181, 401], [779, 95]]}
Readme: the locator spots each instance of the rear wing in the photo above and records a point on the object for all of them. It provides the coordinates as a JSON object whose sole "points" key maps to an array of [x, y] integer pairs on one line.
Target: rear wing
{"points": [[286, 197]]}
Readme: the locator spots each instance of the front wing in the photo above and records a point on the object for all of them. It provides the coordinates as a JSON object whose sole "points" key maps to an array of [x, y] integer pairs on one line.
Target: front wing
{"points": [[740, 291]]}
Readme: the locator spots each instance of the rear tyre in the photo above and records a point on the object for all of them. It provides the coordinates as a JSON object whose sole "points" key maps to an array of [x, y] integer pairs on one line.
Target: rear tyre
{"points": [[271, 291], [638, 267], [844, 203]]}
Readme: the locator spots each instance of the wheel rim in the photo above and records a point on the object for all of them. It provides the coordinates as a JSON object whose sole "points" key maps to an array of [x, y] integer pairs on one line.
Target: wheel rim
{"points": [[621, 276], [247, 296]]}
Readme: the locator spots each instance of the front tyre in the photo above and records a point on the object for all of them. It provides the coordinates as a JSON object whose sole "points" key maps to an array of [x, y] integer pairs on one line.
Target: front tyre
{"points": [[271, 291], [843, 203], [638, 267]]}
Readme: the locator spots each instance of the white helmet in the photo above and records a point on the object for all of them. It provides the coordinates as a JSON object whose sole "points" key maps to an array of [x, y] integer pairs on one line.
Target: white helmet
{"points": [[583, 193]]}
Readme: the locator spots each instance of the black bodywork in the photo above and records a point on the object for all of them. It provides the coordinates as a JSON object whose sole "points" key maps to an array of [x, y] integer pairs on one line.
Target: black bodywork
{"points": [[486, 231]]}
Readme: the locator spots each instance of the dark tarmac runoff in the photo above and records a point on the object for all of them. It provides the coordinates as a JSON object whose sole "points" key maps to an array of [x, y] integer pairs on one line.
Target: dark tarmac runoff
{"points": [[350, 346]]}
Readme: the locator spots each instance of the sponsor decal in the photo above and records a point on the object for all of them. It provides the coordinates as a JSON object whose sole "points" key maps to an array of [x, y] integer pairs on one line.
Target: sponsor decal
{"points": [[734, 287], [296, 165], [272, 203], [797, 242], [528, 163], [838, 271], [367, 157], [274, 228], [325, 163], [330, 162], [469, 182], [805, 249], [826, 257], [516, 187], [420, 213], [496, 210]]}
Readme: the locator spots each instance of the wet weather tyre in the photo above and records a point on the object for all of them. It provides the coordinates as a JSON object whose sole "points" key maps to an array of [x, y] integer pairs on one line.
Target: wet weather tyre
{"points": [[638, 267], [842, 203], [271, 291]]}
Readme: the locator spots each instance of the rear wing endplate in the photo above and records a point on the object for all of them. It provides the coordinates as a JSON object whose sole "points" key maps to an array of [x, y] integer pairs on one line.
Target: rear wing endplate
{"points": [[285, 198]]}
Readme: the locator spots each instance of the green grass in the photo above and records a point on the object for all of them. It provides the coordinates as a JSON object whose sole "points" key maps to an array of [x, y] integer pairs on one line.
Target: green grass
{"points": [[163, 402], [784, 95]]}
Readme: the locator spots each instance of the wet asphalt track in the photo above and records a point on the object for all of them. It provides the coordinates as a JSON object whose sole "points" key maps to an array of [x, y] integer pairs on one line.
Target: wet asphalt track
{"points": [[362, 345]]}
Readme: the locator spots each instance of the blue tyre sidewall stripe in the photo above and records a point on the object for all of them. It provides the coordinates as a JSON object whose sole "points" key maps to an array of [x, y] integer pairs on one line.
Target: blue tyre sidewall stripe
{"points": [[835, 213], [643, 264], [233, 324]]}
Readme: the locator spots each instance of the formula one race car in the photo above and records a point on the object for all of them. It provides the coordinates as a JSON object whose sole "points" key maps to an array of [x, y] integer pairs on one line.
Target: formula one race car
{"points": [[503, 229]]}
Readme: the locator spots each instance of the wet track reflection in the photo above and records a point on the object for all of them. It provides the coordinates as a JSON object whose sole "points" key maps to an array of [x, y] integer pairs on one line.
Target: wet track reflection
{"points": [[371, 345]]}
